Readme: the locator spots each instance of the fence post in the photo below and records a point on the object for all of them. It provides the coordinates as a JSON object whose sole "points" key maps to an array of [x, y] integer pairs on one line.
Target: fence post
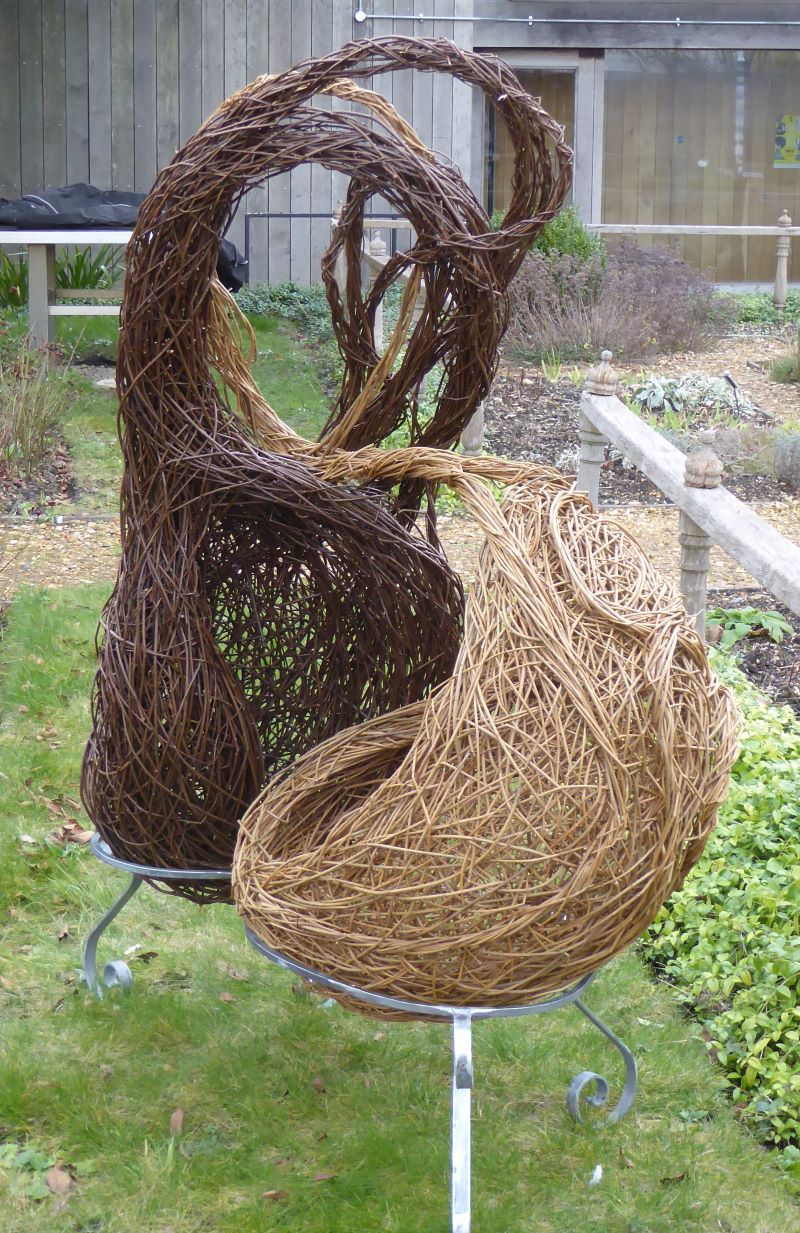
{"points": [[472, 436], [602, 380], [377, 248], [782, 268], [703, 470]]}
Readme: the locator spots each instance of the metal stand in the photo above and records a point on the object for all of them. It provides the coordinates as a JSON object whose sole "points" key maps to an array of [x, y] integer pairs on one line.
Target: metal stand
{"points": [[116, 973], [462, 1018]]}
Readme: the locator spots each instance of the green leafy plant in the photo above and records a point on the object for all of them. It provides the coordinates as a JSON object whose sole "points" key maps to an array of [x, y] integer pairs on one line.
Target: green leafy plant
{"points": [[757, 308], [566, 236], [551, 367], [90, 267], [13, 281], [739, 623], [728, 940], [678, 401]]}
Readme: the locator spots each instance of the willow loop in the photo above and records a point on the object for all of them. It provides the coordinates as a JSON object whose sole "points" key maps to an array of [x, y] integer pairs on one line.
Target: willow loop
{"points": [[272, 593]]}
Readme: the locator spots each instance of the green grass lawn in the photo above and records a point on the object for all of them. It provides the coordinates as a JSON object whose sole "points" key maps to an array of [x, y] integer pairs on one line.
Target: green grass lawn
{"points": [[212, 1029], [284, 370]]}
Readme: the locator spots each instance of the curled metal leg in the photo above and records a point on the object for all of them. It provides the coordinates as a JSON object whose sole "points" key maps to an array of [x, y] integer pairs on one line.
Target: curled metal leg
{"points": [[461, 1130], [116, 974], [597, 1098]]}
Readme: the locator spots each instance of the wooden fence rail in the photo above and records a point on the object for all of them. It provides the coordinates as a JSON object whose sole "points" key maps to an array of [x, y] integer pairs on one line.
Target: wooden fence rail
{"points": [[707, 514]]}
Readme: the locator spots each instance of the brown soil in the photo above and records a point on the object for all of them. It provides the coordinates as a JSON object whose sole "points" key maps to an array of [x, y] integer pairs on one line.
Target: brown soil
{"points": [[773, 666], [49, 487]]}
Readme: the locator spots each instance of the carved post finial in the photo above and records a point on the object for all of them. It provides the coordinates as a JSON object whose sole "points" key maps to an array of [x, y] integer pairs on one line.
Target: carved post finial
{"points": [[377, 245], [603, 379], [703, 467]]}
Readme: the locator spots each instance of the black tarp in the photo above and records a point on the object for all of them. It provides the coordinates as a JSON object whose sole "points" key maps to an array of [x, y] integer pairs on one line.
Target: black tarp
{"points": [[84, 206]]}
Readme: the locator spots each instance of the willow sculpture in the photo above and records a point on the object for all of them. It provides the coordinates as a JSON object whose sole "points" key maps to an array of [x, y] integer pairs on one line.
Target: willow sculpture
{"points": [[264, 604], [506, 836]]}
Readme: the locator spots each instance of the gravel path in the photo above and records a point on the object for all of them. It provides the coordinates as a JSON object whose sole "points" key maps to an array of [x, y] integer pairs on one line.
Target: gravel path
{"points": [[43, 554], [655, 527], [83, 552]]}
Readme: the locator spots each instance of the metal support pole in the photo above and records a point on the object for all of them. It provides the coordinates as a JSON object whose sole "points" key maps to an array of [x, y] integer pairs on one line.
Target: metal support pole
{"points": [[782, 268], [462, 1019], [116, 974], [461, 1127], [695, 557], [41, 293]]}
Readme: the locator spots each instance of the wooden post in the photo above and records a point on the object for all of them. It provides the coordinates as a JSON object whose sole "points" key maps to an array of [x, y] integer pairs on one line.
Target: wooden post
{"points": [[472, 436], [377, 248], [695, 557], [602, 380], [41, 293], [782, 268], [340, 264], [703, 470]]}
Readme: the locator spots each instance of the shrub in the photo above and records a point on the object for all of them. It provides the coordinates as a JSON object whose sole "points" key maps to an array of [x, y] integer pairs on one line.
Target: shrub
{"points": [[688, 398], [86, 267], [31, 400], [644, 301], [90, 267], [566, 236], [756, 308], [729, 938], [306, 307], [739, 623]]}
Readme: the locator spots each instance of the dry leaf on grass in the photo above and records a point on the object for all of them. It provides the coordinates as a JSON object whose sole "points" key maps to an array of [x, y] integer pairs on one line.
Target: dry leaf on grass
{"points": [[58, 1180], [275, 1195], [324, 1177], [318, 1084], [176, 1122]]}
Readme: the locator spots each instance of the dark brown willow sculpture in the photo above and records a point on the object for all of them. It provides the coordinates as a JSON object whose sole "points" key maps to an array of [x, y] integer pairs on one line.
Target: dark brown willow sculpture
{"points": [[262, 606]]}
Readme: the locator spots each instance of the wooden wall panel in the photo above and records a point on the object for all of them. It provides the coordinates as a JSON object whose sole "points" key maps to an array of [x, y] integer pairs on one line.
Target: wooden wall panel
{"points": [[190, 43], [99, 76], [76, 55], [10, 167], [54, 92], [31, 119], [145, 160], [122, 116], [168, 108], [279, 189], [258, 27], [690, 172]]}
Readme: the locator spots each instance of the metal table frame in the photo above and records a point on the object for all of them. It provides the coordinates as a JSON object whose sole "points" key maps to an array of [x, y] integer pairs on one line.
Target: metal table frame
{"points": [[461, 1100], [116, 973]]}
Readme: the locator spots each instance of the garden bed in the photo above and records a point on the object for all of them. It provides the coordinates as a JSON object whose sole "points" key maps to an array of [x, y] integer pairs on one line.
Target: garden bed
{"points": [[773, 667], [531, 418]]}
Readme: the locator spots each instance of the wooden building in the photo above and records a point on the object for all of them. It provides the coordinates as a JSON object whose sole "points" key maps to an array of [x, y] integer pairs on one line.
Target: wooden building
{"points": [[680, 113]]}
